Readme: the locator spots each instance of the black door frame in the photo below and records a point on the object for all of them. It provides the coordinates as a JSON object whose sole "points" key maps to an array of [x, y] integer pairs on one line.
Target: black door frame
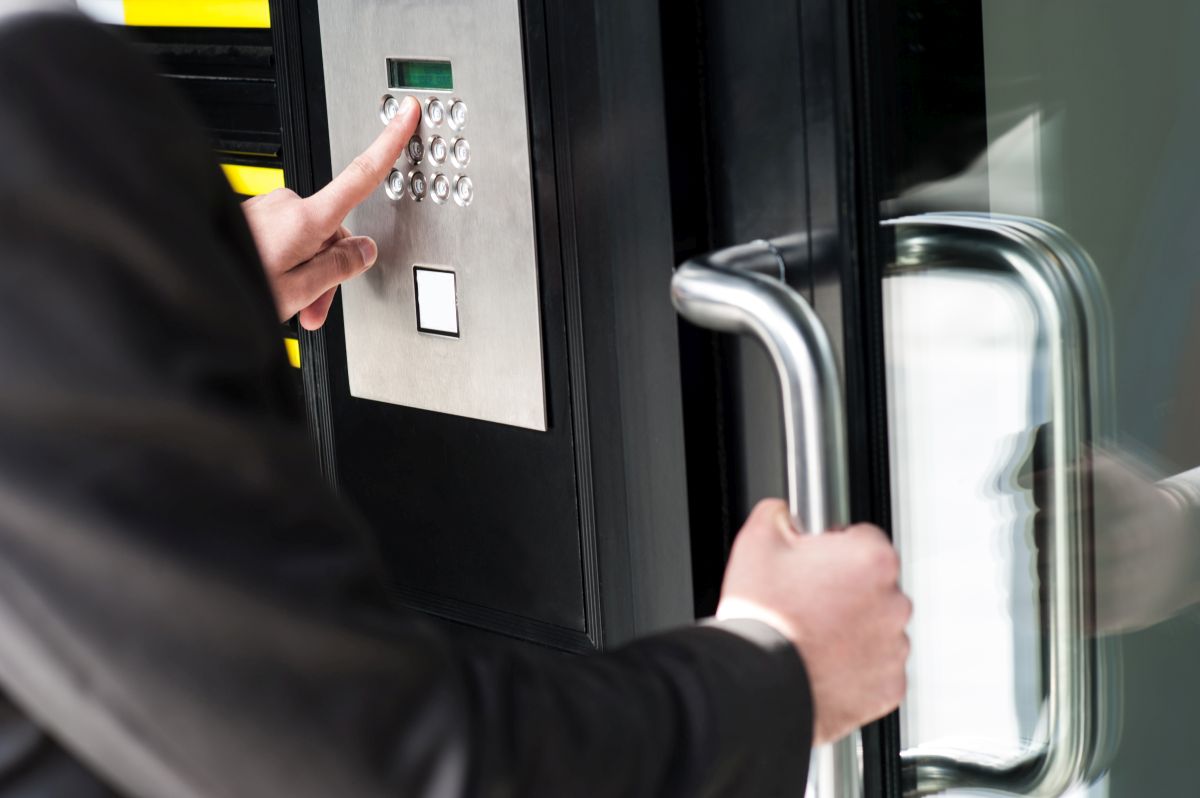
{"points": [[774, 125], [844, 42]]}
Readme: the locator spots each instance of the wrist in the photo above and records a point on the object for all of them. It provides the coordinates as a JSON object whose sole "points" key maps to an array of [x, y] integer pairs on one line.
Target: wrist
{"points": [[1183, 491], [738, 609]]}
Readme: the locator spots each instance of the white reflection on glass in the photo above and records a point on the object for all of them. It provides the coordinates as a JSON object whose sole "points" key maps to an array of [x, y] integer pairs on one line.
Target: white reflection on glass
{"points": [[960, 376], [967, 394]]}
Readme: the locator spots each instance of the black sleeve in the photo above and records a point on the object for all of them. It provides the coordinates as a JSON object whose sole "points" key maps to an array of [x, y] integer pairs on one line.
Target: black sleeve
{"points": [[182, 602]]}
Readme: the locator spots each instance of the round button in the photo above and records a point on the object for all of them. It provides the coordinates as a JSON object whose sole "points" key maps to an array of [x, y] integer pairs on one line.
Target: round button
{"points": [[438, 149], [388, 109], [394, 186], [415, 149], [458, 114], [464, 190], [417, 187], [439, 188], [435, 113], [460, 151]]}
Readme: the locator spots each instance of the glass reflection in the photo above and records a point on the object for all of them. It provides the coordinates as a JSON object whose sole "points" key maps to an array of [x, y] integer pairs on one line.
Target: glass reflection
{"points": [[1147, 546], [1092, 122], [960, 349]]}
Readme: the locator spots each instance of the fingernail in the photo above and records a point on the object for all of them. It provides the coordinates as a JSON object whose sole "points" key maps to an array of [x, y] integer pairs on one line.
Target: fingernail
{"points": [[408, 105], [784, 522], [367, 249]]}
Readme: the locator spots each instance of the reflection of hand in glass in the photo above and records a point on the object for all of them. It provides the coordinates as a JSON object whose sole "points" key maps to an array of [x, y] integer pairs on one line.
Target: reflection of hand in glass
{"points": [[1147, 545]]}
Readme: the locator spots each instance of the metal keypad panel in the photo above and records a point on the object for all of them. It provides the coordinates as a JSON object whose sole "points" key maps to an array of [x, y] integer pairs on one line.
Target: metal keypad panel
{"points": [[428, 147], [459, 200]]}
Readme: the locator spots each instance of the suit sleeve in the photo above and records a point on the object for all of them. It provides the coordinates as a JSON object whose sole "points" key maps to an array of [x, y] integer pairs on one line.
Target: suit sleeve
{"points": [[183, 604]]}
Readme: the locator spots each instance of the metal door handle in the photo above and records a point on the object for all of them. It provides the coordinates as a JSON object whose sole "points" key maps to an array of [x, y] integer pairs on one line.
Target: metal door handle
{"points": [[740, 290], [1081, 711]]}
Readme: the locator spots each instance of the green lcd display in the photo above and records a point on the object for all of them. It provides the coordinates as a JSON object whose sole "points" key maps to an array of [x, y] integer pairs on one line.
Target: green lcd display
{"points": [[406, 73]]}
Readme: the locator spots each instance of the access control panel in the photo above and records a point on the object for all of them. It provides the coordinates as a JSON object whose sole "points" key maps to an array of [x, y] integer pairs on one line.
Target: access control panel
{"points": [[448, 319]]}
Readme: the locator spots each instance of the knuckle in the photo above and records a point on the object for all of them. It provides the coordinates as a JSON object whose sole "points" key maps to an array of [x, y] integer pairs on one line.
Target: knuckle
{"points": [[310, 216], [906, 608], [768, 507], [899, 686], [762, 518], [885, 562], [346, 260], [363, 166], [896, 613], [878, 561], [867, 531]]}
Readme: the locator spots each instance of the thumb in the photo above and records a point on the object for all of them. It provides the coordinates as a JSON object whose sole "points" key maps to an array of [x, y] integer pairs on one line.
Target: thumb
{"points": [[788, 525]]}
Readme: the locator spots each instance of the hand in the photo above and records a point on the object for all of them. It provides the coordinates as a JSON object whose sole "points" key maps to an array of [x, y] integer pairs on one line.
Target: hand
{"points": [[836, 597], [1146, 548], [305, 250]]}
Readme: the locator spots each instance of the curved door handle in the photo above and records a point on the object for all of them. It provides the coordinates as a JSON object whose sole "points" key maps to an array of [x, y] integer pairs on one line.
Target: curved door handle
{"points": [[740, 290], [1080, 711]]}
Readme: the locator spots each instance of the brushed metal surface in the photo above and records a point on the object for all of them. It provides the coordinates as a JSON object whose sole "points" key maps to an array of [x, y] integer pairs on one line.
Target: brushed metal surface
{"points": [[493, 371], [741, 290]]}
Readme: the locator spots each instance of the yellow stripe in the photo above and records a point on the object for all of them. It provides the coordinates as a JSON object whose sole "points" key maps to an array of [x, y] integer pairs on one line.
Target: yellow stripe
{"points": [[293, 351], [198, 13], [253, 180]]}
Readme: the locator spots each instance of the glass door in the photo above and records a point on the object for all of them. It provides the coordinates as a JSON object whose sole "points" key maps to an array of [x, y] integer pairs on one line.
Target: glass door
{"points": [[1041, 305]]}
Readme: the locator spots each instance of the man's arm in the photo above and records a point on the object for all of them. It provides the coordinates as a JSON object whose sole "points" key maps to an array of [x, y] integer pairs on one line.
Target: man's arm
{"points": [[184, 604]]}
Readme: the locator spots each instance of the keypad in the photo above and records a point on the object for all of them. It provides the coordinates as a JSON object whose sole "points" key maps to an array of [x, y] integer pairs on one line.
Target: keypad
{"points": [[395, 185], [432, 149], [438, 150], [461, 152], [417, 186], [439, 188], [415, 150], [464, 190], [458, 114], [435, 113], [389, 108]]}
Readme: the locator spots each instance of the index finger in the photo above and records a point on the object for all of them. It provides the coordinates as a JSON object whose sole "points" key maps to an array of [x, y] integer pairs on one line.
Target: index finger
{"points": [[369, 168]]}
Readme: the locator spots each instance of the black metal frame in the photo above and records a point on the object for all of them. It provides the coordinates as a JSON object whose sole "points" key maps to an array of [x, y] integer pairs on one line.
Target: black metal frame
{"points": [[875, 60], [617, 245], [841, 40], [606, 260], [912, 81], [737, 156], [778, 110]]}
